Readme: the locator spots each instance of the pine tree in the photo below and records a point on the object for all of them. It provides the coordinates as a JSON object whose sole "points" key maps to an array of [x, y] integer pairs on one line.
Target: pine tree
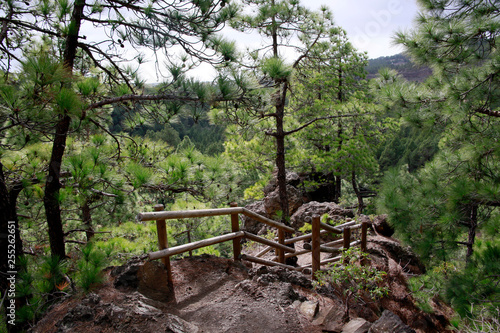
{"points": [[453, 200], [84, 76], [284, 25], [332, 85]]}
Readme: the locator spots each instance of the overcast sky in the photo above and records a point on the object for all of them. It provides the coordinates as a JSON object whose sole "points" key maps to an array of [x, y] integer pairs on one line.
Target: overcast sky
{"points": [[370, 26]]}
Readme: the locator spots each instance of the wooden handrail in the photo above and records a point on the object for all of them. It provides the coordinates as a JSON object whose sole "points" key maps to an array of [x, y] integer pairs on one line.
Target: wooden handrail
{"points": [[268, 262], [324, 248], [267, 221], [303, 237], [194, 245], [182, 214], [268, 242], [281, 246], [330, 228]]}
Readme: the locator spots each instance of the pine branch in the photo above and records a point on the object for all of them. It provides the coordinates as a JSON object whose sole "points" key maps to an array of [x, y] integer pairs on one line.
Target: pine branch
{"points": [[317, 119], [141, 98], [108, 132], [104, 193], [488, 112], [29, 26]]}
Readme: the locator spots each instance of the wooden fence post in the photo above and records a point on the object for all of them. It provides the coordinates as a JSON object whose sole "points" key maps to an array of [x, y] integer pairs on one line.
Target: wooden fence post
{"points": [[347, 238], [161, 229], [315, 243], [235, 227], [281, 240], [347, 241], [364, 230]]}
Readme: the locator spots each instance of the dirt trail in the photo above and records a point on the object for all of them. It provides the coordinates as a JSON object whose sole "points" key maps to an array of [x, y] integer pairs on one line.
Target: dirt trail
{"points": [[217, 297]]}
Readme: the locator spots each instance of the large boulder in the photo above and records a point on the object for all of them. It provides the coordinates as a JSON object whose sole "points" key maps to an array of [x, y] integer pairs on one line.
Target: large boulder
{"points": [[125, 276], [358, 325], [251, 225], [334, 321], [150, 278], [292, 178], [268, 207], [379, 224], [306, 212], [384, 251], [272, 202], [153, 281], [389, 322]]}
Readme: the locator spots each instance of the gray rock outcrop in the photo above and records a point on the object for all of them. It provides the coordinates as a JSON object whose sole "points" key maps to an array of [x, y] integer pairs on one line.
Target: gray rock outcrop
{"points": [[306, 211], [389, 322]]}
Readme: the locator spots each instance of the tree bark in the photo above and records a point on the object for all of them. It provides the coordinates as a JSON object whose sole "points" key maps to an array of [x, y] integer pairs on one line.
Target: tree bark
{"points": [[8, 213], [52, 186], [280, 133], [280, 162], [355, 187], [338, 176], [72, 37], [472, 233], [87, 220]]}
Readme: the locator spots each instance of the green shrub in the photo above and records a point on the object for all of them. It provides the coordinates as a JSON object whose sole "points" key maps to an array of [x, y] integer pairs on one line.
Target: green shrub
{"points": [[478, 285], [91, 265], [351, 280]]}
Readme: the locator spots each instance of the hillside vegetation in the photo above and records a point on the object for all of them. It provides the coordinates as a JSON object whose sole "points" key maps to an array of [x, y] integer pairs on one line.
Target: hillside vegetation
{"points": [[85, 144]]}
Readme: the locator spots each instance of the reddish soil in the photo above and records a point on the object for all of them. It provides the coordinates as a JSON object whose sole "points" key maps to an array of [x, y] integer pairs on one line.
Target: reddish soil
{"points": [[218, 295]]}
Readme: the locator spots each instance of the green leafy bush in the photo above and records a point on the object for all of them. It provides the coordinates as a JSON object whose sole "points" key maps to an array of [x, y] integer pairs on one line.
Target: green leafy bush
{"points": [[349, 279]]}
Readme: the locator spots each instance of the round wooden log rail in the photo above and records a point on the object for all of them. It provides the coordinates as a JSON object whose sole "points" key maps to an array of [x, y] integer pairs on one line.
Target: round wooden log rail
{"points": [[268, 262], [334, 250], [195, 245], [182, 214], [315, 247], [268, 242]]}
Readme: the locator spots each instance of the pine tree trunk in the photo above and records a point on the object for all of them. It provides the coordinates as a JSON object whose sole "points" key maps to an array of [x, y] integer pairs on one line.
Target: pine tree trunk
{"points": [[355, 187], [280, 133], [8, 216], [5, 217], [472, 233], [87, 220], [338, 189], [53, 185], [280, 161], [338, 177]]}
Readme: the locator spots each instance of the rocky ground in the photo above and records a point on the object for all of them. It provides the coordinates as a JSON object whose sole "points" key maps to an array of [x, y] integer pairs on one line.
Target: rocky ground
{"points": [[213, 294], [218, 295]]}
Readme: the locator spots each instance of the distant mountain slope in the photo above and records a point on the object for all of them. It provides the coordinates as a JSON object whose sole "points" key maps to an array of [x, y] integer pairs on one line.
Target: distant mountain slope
{"points": [[402, 64]]}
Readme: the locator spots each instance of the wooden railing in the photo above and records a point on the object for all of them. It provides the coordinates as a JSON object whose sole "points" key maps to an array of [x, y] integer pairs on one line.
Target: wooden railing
{"points": [[281, 246]]}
